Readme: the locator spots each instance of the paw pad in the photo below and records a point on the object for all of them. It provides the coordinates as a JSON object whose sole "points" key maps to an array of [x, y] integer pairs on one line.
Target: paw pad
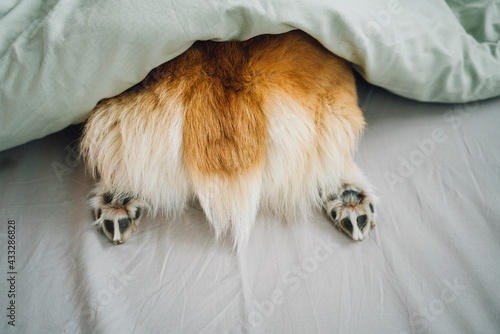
{"points": [[351, 211], [117, 215]]}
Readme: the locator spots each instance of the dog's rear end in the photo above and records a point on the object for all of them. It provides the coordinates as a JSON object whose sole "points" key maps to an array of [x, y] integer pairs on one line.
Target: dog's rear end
{"points": [[266, 123]]}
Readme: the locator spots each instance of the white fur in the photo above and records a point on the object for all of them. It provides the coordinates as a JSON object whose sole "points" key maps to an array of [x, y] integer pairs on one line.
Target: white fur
{"points": [[231, 205], [142, 155], [296, 166]]}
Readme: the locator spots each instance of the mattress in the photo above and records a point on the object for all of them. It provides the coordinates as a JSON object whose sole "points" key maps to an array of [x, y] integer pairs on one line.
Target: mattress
{"points": [[430, 266]]}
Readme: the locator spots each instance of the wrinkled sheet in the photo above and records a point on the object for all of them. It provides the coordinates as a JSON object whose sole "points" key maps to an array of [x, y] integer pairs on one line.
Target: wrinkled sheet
{"points": [[59, 58], [430, 266]]}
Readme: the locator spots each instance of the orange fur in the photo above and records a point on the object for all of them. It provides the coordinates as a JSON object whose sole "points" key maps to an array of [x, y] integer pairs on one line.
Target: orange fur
{"points": [[240, 125], [224, 85]]}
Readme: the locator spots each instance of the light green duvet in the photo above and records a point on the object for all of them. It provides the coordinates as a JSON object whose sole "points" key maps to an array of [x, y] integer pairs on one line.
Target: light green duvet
{"points": [[59, 58]]}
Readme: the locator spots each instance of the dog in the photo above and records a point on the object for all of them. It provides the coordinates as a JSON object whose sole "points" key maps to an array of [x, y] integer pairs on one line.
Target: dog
{"points": [[268, 123]]}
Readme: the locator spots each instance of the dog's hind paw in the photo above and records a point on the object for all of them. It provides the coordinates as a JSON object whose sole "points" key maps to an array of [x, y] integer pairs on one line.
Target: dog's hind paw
{"points": [[351, 210], [116, 215]]}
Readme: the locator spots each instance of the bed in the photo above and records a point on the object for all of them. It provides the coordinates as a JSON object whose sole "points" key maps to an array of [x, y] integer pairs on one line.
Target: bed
{"points": [[431, 265]]}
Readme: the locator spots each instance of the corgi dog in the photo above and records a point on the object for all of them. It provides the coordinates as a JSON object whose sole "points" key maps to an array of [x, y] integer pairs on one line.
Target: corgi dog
{"points": [[268, 123]]}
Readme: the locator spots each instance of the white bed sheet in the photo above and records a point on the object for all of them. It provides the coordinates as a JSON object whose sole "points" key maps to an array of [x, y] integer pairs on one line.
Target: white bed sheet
{"points": [[430, 266]]}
